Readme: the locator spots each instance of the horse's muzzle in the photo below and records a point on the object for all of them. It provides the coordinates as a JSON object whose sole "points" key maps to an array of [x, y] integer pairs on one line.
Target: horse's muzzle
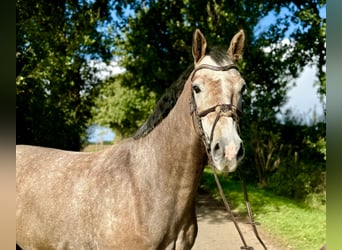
{"points": [[227, 157]]}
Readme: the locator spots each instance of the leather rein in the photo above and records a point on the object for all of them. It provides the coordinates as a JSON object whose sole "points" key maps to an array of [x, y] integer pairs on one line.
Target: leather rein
{"points": [[228, 110]]}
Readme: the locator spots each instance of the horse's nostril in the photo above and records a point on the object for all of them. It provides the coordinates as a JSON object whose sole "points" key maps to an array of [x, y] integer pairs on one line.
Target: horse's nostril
{"points": [[217, 147], [241, 151]]}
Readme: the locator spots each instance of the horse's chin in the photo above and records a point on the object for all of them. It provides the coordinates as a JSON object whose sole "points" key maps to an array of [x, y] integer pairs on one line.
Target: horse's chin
{"points": [[226, 166]]}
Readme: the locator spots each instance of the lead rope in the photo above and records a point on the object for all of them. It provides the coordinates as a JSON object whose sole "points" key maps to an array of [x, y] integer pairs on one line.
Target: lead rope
{"points": [[226, 204], [250, 213], [249, 210]]}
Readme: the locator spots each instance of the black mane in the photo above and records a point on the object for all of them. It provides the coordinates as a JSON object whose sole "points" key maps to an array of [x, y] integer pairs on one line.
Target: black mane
{"points": [[164, 105]]}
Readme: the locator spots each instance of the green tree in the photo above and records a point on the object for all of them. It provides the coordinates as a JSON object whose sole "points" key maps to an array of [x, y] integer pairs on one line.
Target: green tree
{"points": [[54, 83], [155, 45], [306, 46], [121, 108]]}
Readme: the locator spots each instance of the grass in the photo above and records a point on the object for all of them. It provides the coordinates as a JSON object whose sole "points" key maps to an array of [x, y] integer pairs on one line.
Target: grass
{"points": [[295, 224]]}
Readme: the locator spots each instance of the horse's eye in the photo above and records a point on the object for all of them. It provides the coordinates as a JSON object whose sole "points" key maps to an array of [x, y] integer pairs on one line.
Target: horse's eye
{"points": [[196, 89]]}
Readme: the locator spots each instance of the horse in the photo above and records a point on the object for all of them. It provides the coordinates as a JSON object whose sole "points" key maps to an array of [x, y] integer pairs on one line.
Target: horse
{"points": [[139, 193]]}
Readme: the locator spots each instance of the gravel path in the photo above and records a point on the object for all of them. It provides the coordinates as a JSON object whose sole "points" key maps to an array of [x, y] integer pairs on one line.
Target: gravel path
{"points": [[216, 231]]}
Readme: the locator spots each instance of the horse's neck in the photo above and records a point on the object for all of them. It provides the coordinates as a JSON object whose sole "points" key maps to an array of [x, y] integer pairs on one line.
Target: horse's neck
{"points": [[177, 146]]}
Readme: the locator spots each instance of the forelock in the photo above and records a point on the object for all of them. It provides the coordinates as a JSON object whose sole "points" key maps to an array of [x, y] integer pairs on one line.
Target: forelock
{"points": [[219, 55]]}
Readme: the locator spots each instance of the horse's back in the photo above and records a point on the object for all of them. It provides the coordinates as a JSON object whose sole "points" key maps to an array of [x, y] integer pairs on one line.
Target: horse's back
{"points": [[38, 166], [51, 187], [69, 200], [28, 158], [32, 163]]}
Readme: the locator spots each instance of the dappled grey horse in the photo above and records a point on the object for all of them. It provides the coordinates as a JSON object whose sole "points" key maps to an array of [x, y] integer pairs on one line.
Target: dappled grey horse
{"points": [[139, 193]]}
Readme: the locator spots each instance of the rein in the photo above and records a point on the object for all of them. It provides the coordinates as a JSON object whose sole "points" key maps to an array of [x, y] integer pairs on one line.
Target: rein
{"points": [[228, 110]]}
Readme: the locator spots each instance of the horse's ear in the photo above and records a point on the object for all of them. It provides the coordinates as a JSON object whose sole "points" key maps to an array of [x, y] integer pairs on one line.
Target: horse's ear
{"points": [[199, 45], [235, 50]]}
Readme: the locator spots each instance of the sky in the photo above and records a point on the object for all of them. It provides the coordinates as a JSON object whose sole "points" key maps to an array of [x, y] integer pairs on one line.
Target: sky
{"points": [[302, 99], [98, 134]]}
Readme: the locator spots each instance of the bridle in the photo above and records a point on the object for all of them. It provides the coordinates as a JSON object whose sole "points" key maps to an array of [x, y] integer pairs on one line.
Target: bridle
{"points": [[228, 110]]}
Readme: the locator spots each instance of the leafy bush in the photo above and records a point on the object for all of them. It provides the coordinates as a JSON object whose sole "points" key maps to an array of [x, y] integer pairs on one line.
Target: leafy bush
{"points": [[298, 181], [287, 158]]}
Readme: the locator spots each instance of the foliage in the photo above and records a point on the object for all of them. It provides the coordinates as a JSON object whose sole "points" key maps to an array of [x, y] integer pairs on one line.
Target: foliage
{"points": [[122, 108], [154, 45], [295, 224], [289, 158], [54, 84], [320, 146]]}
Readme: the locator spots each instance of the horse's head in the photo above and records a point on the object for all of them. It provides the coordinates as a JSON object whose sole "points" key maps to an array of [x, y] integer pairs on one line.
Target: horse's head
{"points": [[216, 99]]}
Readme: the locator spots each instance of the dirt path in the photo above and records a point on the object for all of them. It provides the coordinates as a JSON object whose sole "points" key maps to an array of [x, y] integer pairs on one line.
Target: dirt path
{"points": [[216, 231]]}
